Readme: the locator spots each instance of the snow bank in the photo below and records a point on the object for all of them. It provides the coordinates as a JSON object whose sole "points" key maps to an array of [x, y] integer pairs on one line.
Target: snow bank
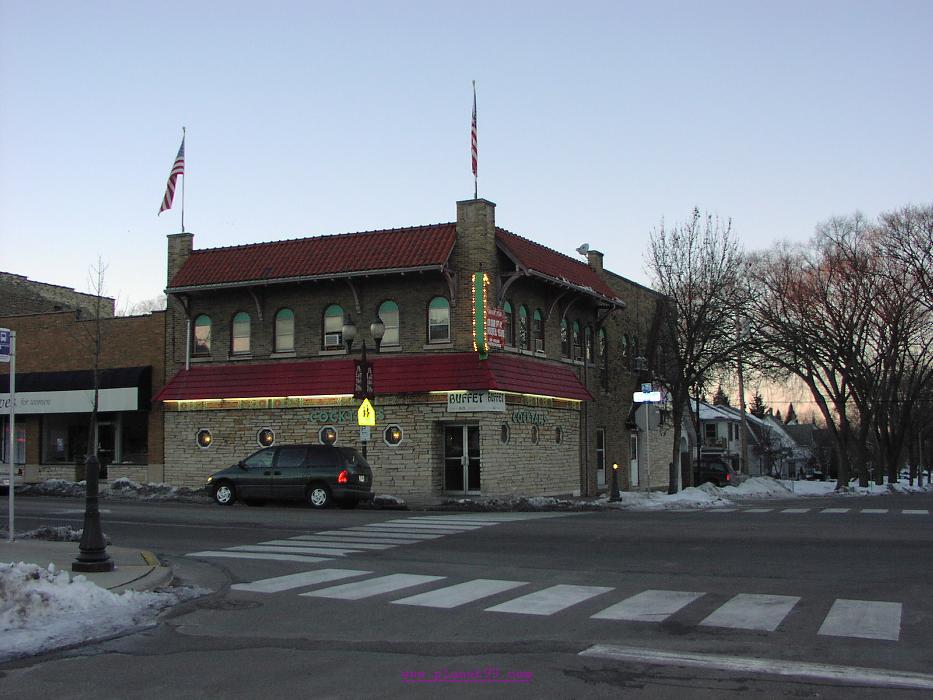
{"points": [[43, 609]]}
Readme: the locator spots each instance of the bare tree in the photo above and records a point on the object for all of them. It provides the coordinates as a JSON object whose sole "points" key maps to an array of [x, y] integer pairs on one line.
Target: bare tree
{"points": [[146, 306], [697, 266]]}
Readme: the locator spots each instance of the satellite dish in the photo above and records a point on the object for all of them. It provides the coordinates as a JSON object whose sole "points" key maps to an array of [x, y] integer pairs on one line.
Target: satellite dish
{"points": [[584, 249]]}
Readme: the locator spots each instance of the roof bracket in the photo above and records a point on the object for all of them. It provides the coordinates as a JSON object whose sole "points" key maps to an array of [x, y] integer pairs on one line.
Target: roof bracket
{"points": [[509, 278], [356, 297], [554, 304], [451, 278], [257, 301]]}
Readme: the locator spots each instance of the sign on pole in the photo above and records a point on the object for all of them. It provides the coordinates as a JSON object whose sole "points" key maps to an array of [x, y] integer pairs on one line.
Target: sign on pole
{"points": [[363, 387], [6, 344], [366, 415], [8, 354]]}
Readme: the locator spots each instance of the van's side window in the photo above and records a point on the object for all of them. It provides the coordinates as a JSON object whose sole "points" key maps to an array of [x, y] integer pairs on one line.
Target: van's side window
{"points": [[260, 460], [291, 457]]}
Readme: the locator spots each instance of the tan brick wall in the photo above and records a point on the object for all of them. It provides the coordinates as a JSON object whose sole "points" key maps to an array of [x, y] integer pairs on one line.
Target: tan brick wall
{"points": [[415, 467]]}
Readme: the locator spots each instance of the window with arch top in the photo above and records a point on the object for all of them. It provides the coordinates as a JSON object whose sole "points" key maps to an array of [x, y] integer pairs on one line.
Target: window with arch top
{"points": [[239, 334], [537, 330], [439, 320], [524, 330], [333, 327], [388, 312], [284, 331], [202, 335], [509, 324]]}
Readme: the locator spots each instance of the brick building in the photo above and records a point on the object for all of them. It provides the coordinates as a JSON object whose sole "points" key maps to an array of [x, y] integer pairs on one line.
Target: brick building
{"points": [[255, 354], [54, 391]]}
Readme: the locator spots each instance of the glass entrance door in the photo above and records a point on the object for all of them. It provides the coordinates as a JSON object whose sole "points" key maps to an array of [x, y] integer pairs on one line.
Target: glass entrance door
{"points": [[461, 459]]}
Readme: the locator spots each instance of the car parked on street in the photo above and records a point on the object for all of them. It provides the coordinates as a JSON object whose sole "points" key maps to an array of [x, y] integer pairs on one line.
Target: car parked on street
{"points": [[716, 472], [317, 474]]}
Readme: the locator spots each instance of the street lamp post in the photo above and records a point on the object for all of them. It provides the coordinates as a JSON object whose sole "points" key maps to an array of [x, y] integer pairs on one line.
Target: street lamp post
{"points": [[377, 329], [614, 494]]}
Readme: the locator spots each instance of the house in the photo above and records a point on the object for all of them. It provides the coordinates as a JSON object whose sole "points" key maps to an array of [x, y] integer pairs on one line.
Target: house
{"points": [[503, 366]]}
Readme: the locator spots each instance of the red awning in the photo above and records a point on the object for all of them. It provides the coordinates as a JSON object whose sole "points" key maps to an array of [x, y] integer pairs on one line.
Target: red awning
{"points": [[404, 374]]}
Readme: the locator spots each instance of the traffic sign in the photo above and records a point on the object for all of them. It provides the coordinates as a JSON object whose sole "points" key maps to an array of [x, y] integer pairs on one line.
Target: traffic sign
{"points": [[6, 344], [366, 415], [363, 380]]}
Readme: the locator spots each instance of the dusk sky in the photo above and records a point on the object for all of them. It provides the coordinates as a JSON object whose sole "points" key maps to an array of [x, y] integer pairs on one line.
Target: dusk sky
{"points": [[596, 121]]}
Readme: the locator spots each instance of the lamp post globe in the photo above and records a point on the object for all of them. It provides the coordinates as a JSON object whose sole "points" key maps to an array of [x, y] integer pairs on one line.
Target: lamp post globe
{"points": [[349, 331]]}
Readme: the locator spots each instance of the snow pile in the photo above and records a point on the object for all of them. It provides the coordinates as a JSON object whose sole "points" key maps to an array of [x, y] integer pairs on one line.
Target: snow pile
{"points": [[64, 533], [118, 488], [45, 608], [758, 487]]}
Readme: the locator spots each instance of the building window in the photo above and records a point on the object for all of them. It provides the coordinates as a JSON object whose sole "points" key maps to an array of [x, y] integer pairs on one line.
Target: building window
{"points": [[205, 439], [393, 435], [634, 351], [588, 343], [509, 324], [558, 435], [439, 320], [537, 330], [388, 312], [202, 335], [333, 327], [709, 432], [265, 437], [239, 336], [624, 350], [327, 435], [285, 331], [564, 338], [575, 339], [504, 434], [534, 435], [601, 455], [524, 332]]}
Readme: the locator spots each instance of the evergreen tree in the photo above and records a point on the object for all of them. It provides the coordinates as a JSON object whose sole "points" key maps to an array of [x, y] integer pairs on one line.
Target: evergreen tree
{"points": [[721, 398], [791, 416], [758, 408]]}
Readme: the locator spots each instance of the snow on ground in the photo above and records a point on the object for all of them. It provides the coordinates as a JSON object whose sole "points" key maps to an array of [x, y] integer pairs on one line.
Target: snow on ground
{"points": [[43, 609]]}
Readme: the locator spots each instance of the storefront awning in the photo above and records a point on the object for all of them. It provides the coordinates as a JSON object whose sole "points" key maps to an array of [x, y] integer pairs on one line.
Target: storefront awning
{"points": [[411, 374]]}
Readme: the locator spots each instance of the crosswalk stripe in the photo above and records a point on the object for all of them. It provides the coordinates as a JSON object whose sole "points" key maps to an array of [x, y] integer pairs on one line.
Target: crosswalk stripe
{"points": [[423, 529], [306, 541], [749, 611], [259, 555], [354, 538], [439, 527], [835, 510], [443, 519], [299, 580], [796, 510], [649, 606], [550, 600], [372, 587], [758, 510], [373, 532], [916, 512], [874, 510], [866, 619], [460, 594], [291, 550]]}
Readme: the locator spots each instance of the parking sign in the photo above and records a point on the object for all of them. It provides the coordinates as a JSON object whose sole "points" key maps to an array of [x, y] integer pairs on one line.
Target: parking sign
{"points": [[6, 344]]}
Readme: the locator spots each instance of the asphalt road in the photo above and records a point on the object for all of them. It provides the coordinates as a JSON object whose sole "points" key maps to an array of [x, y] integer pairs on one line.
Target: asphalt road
{"points": [[824, 598]]}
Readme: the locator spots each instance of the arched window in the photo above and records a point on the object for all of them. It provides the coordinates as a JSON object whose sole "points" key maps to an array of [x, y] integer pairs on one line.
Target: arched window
{"points": [[333, 327], [624, 349], [602, 355], [588, 343], [509, 324], [575, 339], [202, 335], [564, 338], [439, 320], [388, 312], [285, 331], [537, 330], [239, 336], [634, 351], [524, 331]]}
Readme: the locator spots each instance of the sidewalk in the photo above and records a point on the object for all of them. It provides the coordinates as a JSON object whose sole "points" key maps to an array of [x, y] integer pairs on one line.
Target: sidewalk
{"points": [[134, 569]]}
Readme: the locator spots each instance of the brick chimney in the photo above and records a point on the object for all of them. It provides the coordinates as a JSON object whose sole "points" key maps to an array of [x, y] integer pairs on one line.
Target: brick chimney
{"points": [[180, 246], [595, 260]]}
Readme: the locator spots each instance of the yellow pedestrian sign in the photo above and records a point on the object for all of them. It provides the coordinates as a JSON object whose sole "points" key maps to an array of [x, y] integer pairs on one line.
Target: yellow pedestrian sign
{"points": [[366, 415]]}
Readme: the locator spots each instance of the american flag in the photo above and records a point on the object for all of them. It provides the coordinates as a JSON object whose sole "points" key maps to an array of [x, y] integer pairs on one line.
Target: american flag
{"points": [[177, 169], [473, 135]]}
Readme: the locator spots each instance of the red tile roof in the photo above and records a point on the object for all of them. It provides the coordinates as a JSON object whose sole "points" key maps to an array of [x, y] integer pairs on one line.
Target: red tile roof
{"points": [[403, 374], [552, 264], [321, 256]]}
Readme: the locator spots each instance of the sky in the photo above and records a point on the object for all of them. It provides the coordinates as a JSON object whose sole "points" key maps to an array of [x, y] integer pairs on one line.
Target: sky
{"points": [[596, 121]]}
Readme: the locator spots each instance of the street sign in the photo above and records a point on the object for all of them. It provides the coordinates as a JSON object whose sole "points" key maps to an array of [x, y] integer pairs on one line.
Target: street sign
{"points": [[646, 396], [363, 380], [366, 415], [646, 388], [6, 344], [366, 433]]}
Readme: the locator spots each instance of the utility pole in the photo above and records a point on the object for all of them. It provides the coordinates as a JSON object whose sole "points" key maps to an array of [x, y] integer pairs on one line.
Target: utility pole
{"points": [[743, 440]]}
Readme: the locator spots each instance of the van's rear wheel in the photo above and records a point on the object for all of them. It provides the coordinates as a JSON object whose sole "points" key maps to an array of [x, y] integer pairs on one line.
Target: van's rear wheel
{"points": [[318, 496], [224, 494]]}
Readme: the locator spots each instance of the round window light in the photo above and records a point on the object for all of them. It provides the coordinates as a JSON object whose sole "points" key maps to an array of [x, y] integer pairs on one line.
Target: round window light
{"points": [[504, 434], [393, 435], [558, 435], [328, 435], [205, 439], [534, 435], [265, 437]]}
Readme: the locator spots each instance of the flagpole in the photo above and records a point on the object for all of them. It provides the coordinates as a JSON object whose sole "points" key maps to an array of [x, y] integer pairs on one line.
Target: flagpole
{"points": [[183, 178], [473, 147]]}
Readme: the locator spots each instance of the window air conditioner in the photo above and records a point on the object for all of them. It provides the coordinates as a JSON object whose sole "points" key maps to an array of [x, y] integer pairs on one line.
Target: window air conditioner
{"points": [[539, 345], [332, 340]]}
